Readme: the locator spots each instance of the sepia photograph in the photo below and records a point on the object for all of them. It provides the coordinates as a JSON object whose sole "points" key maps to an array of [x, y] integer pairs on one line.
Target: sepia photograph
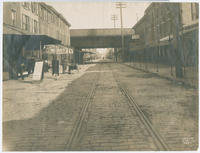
{"points": [[100, 75]]}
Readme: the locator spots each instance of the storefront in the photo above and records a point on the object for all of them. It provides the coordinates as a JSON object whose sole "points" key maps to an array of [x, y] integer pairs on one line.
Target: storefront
{"points": [[18, 49]]}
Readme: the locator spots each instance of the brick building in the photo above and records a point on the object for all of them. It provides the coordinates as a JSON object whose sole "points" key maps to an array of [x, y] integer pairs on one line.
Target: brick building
{"points": [[53, 24], [167, 33], [27, 27]]}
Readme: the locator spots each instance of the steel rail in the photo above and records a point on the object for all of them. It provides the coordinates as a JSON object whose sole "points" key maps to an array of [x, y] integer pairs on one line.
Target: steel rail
{"points": [[150, 128], [79, 122]]}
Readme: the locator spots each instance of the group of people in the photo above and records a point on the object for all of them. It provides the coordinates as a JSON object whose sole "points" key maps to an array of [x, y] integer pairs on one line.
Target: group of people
{"points": [[27, 65], [19, 66], [65, 64]]}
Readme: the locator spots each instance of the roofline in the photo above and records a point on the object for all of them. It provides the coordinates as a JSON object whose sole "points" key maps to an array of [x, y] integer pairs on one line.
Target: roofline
{"points": [[145, 11], [151, 5], [141, 19], [51, 8]]}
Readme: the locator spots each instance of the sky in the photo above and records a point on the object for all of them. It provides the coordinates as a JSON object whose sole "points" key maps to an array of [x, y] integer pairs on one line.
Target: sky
{"points": [[91, 15]]}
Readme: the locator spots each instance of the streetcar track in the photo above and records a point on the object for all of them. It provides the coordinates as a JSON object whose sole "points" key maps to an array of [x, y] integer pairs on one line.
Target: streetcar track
{"points": [[160, 143], [79, 122], [74, 137]]}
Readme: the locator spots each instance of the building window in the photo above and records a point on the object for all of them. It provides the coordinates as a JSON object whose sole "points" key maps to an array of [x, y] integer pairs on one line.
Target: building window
{"points": [[45, 15], [30, 27], [14, 17], [197, 10], [26, 5], [42, 13], [35, 26], [34, 7], [194, 11], [25, 22], [57, 20], [52, 18], [48, 17]]}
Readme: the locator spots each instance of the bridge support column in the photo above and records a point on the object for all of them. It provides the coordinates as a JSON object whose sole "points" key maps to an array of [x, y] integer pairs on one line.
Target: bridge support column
{"points": [[125, 55], [78, 56], [115, 54]]}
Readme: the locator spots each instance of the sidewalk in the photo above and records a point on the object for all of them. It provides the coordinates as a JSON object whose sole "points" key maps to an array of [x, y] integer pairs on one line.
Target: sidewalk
{"points": [[22, 99], [190, 78]]}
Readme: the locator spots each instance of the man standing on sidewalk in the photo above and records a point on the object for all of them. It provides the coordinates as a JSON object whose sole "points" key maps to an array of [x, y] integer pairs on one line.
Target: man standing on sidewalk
{"points": [[115, 54], [55, 67], [63, 63], [22, 68]]}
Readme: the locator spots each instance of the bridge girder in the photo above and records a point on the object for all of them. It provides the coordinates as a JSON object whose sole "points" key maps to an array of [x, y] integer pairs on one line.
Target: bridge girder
{"points": [[99, 42], [100, 38]]}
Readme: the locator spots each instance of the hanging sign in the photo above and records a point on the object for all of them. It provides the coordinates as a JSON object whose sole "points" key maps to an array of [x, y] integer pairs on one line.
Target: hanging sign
{"points": [[57, 49]]}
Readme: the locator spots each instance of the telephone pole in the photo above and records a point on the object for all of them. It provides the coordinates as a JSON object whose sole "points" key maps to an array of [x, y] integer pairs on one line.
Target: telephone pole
{"points": [[114, 18], [177, 42], [121, 5]]}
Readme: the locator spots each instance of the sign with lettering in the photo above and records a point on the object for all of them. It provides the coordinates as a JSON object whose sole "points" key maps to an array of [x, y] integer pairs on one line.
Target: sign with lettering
{"points": [[58, 49], [37, 75]]}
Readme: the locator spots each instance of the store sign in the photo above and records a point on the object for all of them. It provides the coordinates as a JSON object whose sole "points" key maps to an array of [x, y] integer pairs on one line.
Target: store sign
{"points": [[50, 49], [58, 49], [61, 51]]}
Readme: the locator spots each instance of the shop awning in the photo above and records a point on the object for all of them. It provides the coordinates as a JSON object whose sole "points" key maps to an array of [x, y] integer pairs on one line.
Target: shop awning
{"points": [[28, 42], [57, 49]]}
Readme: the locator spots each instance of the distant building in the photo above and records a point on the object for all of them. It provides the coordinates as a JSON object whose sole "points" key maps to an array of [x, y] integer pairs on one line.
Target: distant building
{"points": [[27, 27]]}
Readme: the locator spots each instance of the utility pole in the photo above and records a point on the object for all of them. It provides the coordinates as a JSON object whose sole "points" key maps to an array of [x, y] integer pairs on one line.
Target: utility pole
{"points": [[145, 38], [114, 18], [177, 40], [158, 37], [170, 39], [121, 5]]}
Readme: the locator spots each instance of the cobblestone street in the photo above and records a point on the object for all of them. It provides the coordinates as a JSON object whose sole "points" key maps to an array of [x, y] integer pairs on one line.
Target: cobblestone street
{"points": [[42, 93], [100, 76], [92, 113]]}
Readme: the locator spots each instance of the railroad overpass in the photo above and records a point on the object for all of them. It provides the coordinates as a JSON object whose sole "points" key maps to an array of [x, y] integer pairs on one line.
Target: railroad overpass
{"points": [[99, 38]]}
